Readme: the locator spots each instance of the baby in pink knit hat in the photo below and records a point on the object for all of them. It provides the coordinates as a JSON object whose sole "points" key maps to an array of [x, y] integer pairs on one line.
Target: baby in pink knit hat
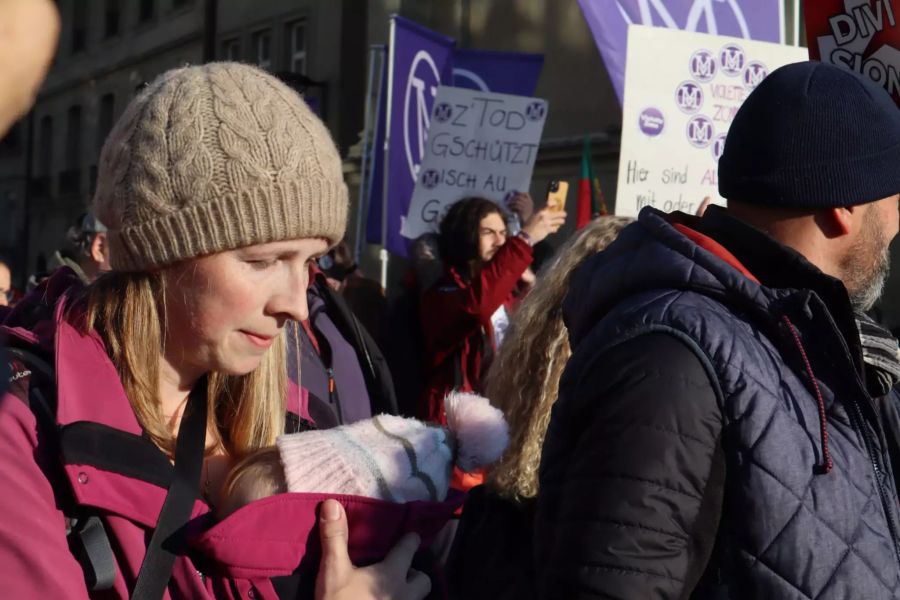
{"points": [[386, 457]]}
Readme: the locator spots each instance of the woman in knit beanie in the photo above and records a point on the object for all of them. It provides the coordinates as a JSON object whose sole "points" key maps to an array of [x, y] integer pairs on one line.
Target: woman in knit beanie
{"points": [[219, 187]]}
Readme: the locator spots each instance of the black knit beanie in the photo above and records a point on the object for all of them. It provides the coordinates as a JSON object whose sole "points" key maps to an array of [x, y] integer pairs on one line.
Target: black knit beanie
{"points": [[813, 135]]}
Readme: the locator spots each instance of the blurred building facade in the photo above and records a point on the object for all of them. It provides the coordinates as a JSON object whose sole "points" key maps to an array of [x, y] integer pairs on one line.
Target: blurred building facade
{"points": [[109, 48]]}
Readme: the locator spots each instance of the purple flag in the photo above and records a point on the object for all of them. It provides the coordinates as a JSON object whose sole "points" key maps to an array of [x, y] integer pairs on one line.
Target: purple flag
{"points": [[609, 20], [515, 73], [420, 59]]}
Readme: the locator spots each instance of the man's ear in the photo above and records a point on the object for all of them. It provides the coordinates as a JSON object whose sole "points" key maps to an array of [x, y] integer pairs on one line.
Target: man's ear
{"points": [[838, 221], [99, 249]]}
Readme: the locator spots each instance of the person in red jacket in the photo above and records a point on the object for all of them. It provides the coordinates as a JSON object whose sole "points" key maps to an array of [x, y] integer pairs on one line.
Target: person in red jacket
{"points": [[465, 314]]}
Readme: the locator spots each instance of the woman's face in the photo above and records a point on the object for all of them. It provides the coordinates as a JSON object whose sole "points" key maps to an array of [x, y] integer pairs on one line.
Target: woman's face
{"points": [[225, 310]]}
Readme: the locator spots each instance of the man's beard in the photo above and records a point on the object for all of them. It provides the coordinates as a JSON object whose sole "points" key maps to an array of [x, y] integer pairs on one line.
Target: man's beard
{"points": [[863, 279]]}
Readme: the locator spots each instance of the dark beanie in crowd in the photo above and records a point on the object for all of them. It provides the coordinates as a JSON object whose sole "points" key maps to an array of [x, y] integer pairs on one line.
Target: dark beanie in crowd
{"points": [[813, 135]]}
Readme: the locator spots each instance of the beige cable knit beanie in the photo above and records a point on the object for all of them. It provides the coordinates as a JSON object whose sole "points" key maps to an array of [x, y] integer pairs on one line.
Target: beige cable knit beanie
{"points": [[216, 157]]}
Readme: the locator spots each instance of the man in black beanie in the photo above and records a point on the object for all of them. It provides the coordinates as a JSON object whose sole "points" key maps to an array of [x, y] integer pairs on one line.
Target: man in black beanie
{"points": [[719, 429]]}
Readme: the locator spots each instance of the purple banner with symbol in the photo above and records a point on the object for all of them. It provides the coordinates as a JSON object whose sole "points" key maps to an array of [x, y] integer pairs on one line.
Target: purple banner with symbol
{"points": [[515, 73], [420, 59], [609, 20]]}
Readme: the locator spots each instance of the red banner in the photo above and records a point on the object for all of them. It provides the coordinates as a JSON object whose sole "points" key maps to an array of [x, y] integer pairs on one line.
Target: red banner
{"points": [[859, 35]]}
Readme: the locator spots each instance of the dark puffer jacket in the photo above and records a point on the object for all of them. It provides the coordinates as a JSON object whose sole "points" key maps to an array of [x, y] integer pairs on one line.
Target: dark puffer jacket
{"points": [[713, 436]]}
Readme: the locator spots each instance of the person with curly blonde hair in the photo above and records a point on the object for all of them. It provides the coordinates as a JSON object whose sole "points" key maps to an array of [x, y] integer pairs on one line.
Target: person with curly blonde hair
{"points": [[491, 557]]}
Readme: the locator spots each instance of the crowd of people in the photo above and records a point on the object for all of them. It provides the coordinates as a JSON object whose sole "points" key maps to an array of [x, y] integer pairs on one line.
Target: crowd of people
{"points": [[199, 402]]}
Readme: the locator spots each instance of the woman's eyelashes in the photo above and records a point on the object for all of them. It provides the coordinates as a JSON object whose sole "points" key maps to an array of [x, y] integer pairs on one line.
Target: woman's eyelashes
{"points": [[261, 264]]}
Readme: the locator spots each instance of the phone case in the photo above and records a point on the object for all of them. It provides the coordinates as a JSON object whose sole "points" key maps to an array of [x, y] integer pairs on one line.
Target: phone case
{"points": [[556, 198]]}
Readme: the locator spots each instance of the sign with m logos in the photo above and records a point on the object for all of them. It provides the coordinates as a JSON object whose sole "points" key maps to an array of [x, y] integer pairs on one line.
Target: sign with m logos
{"points": [[609, 20], [679, 105]]}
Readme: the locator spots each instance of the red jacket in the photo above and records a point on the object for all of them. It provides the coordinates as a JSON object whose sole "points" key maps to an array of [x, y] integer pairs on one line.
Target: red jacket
{"points": [[456, 324]]}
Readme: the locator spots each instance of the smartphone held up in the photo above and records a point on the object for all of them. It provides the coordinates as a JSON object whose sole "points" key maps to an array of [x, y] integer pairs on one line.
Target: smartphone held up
{"points": [[557, 191]]}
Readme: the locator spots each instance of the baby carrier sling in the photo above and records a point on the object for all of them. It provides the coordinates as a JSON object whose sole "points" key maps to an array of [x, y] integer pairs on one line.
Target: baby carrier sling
{"points": [[79, 442]]}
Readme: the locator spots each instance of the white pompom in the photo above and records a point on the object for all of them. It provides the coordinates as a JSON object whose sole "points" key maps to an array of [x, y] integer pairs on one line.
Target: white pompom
{"points": [[480, 430]]}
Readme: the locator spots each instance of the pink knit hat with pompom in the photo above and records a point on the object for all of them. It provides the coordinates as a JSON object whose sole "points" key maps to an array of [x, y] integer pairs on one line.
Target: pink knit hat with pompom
{"points": [[393, 458]]}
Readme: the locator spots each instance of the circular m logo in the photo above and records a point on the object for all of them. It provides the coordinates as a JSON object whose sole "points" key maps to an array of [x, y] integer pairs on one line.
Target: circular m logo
{"points": [[689, 97], [421, 89], [431, 179], [718, 146], [703, 66], [700, 131], [731, 59], [536, 111], [443, 112], [754, 73]]}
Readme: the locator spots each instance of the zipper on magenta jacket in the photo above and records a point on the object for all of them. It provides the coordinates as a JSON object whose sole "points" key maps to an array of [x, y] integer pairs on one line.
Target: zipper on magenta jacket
{"points": [[333, 395], [885, 497]]}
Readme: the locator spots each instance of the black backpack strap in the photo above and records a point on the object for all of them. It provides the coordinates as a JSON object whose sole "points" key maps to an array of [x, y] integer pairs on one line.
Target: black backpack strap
{"points": [[168, 537], [87, 536], [89, 543]]}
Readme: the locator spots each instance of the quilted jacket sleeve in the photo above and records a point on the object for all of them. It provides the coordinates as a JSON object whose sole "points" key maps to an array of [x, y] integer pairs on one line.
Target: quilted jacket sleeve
{"points": [[631, 475]]}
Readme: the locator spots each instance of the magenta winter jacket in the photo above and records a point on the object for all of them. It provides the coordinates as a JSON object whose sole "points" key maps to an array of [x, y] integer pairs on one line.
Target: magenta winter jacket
{"points": [[265, 539]]}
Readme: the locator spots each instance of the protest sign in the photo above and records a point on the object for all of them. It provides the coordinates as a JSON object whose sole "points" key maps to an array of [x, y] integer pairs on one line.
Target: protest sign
{"points": [[679, 105], [480, 144], [857, 35], [420, 60], [609, 21]]}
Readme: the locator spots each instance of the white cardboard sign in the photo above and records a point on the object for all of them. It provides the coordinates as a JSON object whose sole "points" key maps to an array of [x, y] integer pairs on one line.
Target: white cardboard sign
{"points": [[479, 144], [682, 91]]}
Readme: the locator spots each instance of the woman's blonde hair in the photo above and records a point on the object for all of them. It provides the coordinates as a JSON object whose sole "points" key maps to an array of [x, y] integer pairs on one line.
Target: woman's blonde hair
{"points": [[523, 380], [246, 412]]}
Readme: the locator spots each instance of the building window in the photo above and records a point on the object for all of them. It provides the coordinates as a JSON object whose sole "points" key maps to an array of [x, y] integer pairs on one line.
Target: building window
{"points": [[105, 118], [11, 143], [79, 26], [70, 178], [73, 138], [45, 149], [231, 49], [146, 10], [111, 20], [297, 46], [262, 48]]}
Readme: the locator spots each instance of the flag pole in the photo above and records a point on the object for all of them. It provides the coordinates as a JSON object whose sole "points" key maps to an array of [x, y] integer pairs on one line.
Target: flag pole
{"points": [[364, 167], [797, 23], [384, 256]]}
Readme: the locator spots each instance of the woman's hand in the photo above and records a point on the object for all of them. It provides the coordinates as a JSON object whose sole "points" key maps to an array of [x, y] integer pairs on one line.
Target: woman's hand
{"points": [[522, 204], [528, 278], [338, 579], [703, 206], [543, 223]]}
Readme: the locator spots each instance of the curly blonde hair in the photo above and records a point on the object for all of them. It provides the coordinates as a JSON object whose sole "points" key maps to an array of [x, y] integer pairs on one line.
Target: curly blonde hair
{"points": [[523, 380]]}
